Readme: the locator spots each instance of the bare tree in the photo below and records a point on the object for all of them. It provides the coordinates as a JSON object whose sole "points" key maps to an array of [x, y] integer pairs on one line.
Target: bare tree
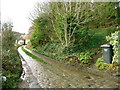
{"points": [[70, 16]]}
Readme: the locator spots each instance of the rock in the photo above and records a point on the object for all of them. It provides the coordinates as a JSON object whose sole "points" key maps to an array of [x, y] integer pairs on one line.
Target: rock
{"points": [[117, 74]]}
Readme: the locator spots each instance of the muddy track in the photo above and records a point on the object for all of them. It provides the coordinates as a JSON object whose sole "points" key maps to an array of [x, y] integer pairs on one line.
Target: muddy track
{"points": [[57, 75]]}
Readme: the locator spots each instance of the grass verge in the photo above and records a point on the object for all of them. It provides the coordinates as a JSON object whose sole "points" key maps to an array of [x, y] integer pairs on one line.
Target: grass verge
{"points": [[33, 56]]}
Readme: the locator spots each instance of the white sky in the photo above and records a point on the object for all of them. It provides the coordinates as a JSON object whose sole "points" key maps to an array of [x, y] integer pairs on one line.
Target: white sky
{"points": [[18, 12]]}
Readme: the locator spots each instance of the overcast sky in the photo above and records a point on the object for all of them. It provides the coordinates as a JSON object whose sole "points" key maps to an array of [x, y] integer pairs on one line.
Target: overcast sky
{"points": [[18, 12]]}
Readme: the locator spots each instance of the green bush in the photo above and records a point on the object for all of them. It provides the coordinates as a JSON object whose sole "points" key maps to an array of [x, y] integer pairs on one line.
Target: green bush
{"points": [[11, 68], [91, 36], [101, 65], [99, 62], [85, 57], [107, 67], [93, 42], [114, 40]]}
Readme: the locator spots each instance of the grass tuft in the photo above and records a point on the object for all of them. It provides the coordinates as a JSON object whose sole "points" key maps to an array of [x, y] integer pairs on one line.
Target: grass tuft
{"points": [[33, 56]]}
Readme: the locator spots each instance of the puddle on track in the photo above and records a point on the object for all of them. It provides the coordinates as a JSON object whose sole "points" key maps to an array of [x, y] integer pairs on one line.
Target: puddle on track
{"points": [[28, 79]]}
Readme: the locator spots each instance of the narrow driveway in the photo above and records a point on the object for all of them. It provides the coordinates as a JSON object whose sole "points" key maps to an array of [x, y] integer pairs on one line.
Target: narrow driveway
{"points": [[57, 75]]}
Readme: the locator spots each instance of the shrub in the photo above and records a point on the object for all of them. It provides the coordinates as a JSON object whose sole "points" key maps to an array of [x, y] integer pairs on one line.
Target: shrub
{"points": [[99, 62], [11, 68], [114, 40], [107, 67], [85, 57], [101, 65]]}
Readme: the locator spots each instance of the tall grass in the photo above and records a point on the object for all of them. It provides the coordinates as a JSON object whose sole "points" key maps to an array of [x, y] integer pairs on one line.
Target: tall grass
{"points": [[33, 56]]}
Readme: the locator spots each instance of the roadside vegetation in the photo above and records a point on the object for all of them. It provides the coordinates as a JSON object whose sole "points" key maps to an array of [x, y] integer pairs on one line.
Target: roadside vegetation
{"points": [[114, 40], [72, 32], [11, 63], [33, 56]]}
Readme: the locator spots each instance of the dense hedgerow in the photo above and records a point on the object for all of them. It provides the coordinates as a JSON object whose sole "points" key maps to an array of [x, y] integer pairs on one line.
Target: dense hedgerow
{"points": [[11, 62], [11, 68]]}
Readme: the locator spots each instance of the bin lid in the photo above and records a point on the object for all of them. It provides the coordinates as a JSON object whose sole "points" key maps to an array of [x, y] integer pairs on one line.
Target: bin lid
{"points": [[106, 46]]}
